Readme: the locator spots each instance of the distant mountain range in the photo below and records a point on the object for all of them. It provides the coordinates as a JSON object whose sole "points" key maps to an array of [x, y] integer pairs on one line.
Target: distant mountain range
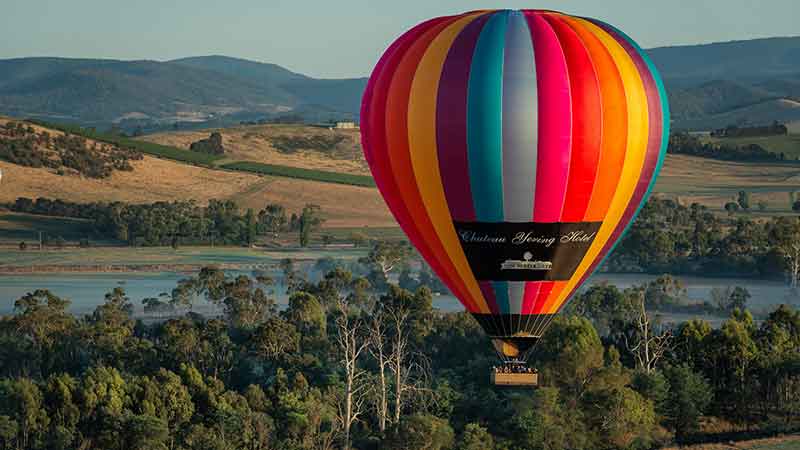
{"points": [[200, 90], [714, 85], [741, 82]]}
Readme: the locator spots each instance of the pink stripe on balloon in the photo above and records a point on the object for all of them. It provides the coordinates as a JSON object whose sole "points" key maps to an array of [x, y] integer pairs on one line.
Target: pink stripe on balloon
{"points": [[555, 121], [531, 294]]}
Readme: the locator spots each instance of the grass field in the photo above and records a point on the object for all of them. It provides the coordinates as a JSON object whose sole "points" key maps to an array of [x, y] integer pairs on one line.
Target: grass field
{"points": [[156, 179], [713, 182], [301, 173], [167, 256], [16, 228], [789, 144]]}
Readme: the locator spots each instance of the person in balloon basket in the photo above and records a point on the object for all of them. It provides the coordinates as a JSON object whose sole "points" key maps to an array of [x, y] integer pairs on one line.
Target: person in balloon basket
{"points": [[513, 368]]}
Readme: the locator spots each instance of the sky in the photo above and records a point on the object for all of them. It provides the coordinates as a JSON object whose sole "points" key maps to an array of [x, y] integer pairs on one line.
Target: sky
{"points": [[338, 39]]}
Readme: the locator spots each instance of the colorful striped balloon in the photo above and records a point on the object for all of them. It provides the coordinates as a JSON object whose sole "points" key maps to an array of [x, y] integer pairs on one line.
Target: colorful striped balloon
{"points": [[514, 148]]}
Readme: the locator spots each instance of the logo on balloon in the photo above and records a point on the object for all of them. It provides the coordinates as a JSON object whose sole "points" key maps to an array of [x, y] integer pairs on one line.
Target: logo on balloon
{"points": [[526, 263]]}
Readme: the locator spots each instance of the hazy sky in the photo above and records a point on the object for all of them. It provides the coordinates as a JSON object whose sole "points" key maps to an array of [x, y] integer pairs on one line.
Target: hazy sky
{"points": [[337, 38]]}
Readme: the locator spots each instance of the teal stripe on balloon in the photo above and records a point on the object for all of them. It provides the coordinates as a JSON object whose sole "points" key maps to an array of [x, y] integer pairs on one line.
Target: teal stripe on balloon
{"points": [[485, 120], [485, 130]]}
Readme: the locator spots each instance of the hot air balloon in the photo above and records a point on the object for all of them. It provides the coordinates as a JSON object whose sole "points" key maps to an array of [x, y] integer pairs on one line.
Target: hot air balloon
{"points": [[514, 148]]}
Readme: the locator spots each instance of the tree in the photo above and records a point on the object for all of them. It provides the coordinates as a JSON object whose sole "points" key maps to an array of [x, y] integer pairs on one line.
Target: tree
{"points": [[730, 299], [306, 313], [9, 428], [273, 218], [245, 304], [386, 256], [688, 397], [211, 145], [539, 422], [404, 318], [422, 431], [789, 246], [22, 403], [738, 298], [379, 350], [743, 199], [250, 227], [734, 358], [475, 437], [23, 246], [352, 343], [609, 309], [570, 354], [654, 387], [623, 417], [275, 338], [646, 345], [308, 222], [111, 326], [210, 282], [42, 318], [144, 432], [731, 207]]}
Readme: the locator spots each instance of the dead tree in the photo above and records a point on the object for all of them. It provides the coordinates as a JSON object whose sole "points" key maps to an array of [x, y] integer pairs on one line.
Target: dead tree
{"points": [[398, 318], [353, 342], [791, 251], [377, 348], [388, 255], [647, 347]]}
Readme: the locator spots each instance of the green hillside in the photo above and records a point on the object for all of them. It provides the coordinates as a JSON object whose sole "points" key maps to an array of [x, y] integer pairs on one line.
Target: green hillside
{"points": [[789, 145]]}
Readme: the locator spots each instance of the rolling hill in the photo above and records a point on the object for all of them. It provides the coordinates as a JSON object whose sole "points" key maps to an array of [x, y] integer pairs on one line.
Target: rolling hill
{"points": [[685, 178], [155, 179]]}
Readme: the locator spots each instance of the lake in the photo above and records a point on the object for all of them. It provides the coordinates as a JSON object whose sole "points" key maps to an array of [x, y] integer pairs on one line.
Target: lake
{"points": [[87, 290]]}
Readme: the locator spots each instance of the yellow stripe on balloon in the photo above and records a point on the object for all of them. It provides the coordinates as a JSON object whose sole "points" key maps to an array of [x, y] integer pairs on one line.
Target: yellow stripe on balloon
{"points": [[638, 129], [424, 156]]}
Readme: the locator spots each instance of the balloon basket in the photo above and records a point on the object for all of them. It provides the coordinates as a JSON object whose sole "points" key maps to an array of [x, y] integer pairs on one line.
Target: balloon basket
{"points": [[515, 374]]}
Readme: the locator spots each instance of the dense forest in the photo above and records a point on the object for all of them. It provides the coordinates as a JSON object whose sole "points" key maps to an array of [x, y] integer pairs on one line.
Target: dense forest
{"points": [[349, 365], [668, 237], [21, 144], [179, 222]]}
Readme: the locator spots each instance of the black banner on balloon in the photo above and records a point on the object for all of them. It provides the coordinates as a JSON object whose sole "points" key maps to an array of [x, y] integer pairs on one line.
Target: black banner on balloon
{"points": [[531, 251]]}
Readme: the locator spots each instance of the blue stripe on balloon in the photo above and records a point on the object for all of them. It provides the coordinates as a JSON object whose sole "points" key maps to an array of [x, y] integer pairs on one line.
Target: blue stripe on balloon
{"points": [[485, 130], [520, 118]]}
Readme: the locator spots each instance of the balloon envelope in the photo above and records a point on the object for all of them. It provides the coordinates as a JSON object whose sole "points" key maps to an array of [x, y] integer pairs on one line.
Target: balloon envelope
{"points": [[514, 147]]}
